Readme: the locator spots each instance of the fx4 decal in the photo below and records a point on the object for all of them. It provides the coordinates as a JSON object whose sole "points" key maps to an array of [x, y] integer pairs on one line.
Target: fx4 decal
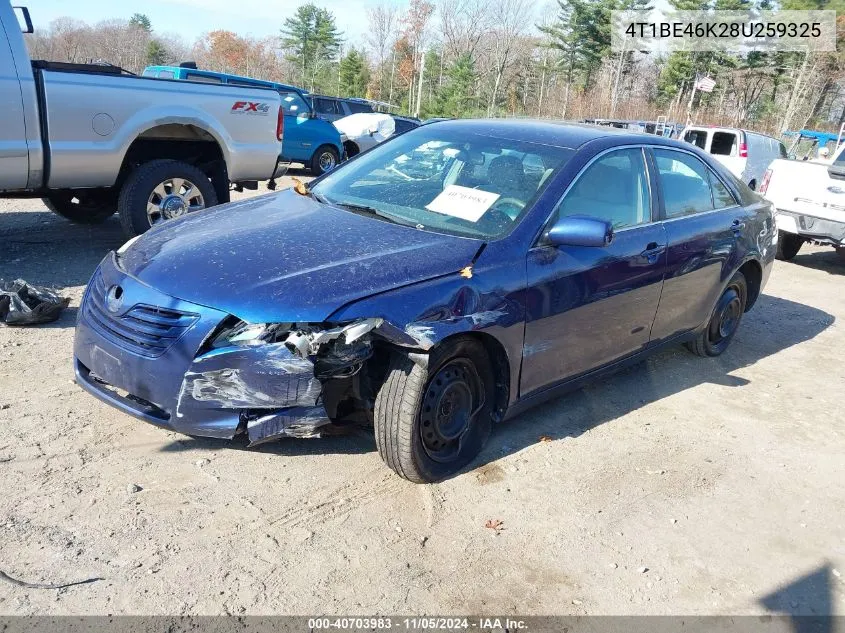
{"points": [[250, 107]]}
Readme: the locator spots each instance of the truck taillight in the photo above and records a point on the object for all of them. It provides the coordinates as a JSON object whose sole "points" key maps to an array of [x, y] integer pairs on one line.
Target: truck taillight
{"points": [[743, 150], [765, 184], [280, 124]]}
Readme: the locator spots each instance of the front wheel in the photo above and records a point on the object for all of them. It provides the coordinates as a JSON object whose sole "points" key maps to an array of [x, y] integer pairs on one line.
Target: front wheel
{"points": [[431, 422], [162, 190], [724, 322], [788, 246], [324, 159], [83, 207]]}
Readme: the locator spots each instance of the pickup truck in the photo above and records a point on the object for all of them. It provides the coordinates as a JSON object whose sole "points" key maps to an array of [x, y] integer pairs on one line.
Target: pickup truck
{"points": [[92, 140], [809, 201], [309, 140]]}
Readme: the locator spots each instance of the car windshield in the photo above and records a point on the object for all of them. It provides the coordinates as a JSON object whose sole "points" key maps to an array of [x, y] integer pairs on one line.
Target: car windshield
{"points": [[445, 180]]}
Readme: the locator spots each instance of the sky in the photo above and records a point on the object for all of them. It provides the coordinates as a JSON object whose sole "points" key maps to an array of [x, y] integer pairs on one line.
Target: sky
{"points": [[192, 18]]}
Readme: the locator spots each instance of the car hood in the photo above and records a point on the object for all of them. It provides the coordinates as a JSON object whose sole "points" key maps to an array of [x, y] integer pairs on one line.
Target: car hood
{"points": [[286, 257]]}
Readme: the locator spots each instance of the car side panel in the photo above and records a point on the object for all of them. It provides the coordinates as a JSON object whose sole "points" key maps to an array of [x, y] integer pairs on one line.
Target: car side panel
{"points": [[14, 150], [702, 255], [490, 303], [92, 120]]}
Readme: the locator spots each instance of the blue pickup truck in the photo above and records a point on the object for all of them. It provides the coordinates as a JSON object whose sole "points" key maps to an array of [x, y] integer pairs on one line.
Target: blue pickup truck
{"points": [[308, 139]]}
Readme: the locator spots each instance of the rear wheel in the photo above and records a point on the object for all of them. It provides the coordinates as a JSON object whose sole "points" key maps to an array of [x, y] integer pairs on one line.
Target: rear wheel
{"points": [[432, 422], [788, 246], [324, 159], [162, 190], [724, 322], [83, 207]]}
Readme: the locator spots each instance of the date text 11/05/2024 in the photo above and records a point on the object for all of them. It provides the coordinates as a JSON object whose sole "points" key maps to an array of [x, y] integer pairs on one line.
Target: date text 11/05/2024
{"points": [[422, 623]]}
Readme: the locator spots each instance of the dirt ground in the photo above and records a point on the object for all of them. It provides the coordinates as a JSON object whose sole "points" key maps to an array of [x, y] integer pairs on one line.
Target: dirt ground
{"points": [[681, 486]]}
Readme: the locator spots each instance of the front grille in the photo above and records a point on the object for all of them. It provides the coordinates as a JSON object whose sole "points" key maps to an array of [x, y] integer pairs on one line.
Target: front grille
{"points": [[145, 330]]}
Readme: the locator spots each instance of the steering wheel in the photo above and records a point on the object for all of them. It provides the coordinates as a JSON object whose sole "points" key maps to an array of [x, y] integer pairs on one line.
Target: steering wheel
{"points": [[516, 203]]}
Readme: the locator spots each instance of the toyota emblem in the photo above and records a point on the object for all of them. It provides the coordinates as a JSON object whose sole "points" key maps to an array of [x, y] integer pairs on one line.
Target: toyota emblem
{"points": [[114, 299]]}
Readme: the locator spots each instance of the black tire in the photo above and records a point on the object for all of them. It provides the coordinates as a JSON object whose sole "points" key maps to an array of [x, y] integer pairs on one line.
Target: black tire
{"points": [[725, 320], [321, 158], [139, 186], [840, 250], [83, 207], [788, 246], [459, 379]]}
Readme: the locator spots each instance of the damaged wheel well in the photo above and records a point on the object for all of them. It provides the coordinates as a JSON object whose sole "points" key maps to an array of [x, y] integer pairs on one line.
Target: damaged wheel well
{"points": [[500, 365]]}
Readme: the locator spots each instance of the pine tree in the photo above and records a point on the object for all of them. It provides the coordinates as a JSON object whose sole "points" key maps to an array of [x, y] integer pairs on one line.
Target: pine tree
{"points": [[311, 39], [353, 75]]}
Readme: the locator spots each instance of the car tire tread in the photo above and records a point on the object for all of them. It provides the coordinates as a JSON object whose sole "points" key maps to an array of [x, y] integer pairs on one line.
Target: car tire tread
{"points": [[131, 204]]}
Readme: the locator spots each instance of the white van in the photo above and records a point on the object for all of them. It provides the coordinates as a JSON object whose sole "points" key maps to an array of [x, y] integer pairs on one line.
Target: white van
{"points": [[747, 154]]}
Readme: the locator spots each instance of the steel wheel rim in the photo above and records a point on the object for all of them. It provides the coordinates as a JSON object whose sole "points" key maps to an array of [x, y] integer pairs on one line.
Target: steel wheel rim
{"points": [[727, 318], [327, 162], [173, 198], [450, 403]]}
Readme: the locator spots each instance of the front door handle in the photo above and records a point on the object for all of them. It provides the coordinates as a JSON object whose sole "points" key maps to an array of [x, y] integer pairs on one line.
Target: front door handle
{"points": [[737, 226], [652, 251]]}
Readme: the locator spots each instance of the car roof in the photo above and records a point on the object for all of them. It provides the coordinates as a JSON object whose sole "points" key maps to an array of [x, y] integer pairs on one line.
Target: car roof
{"points": [[558, 133]]}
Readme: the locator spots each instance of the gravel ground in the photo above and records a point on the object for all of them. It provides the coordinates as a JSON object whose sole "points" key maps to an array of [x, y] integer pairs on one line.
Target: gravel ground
{"points": [[682, 485]]}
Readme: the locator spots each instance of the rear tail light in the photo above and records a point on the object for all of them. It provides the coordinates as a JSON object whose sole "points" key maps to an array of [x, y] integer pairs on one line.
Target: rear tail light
{"points": [[765, 184], [280, 124], [743, 150]]}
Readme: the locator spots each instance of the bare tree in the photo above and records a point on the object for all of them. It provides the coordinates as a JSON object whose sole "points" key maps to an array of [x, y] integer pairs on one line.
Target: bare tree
{"points": [[509, 18], [381, 38], [462, 25]]}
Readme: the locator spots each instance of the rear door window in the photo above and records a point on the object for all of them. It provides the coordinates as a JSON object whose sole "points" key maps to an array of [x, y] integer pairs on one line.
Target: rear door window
{"points": [[203, 79], [697, 138], [685, 183], [326, 106], [724, 144], [357, 108], [722, 197]]}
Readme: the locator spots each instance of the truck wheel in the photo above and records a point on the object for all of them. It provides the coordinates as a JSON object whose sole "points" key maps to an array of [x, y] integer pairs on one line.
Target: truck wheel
{"points": [[162, 190], [83, 207], [324, 159], [724, 322], [430, 423], [840, 250], [788, 246]]}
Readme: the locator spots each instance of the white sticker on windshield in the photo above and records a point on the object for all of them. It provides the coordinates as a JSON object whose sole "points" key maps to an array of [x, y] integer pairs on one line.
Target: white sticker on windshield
{"points": [[463, 202]]}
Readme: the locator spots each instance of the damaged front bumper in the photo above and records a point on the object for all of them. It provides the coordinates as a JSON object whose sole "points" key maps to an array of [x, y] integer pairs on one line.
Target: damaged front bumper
{"points": [[200, 371]]}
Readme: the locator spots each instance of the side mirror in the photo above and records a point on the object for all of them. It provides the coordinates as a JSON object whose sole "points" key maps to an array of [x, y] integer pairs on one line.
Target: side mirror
{"points": [[580, 231], [24, 19]]}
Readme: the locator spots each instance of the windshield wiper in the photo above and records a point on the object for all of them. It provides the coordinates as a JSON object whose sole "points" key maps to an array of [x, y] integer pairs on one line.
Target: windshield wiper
{"points": [[372, 212]]}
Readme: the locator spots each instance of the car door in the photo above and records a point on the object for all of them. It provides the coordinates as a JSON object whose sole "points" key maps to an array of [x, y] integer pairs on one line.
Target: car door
{"points": [[589, 306], [14, 151], [703, 223]]}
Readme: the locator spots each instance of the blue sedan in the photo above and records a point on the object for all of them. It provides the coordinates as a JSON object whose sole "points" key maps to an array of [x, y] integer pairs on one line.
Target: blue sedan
{"points": [[449, 278]]}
